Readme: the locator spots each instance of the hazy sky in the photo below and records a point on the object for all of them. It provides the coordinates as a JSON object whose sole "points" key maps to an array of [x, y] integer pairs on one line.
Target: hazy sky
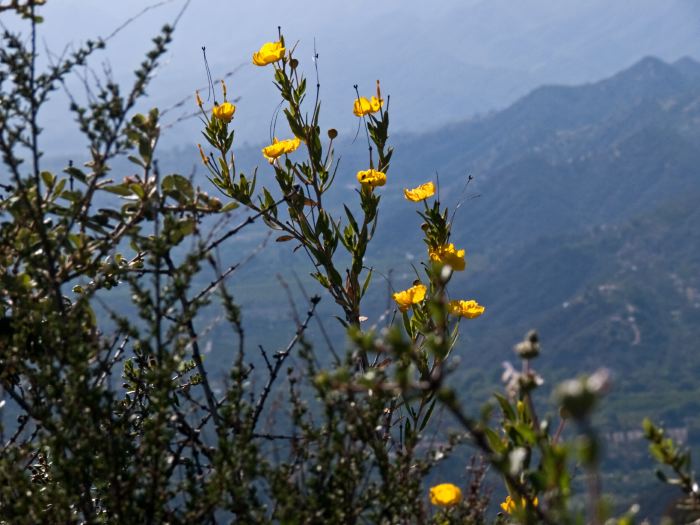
{"points": [[440, 63]]}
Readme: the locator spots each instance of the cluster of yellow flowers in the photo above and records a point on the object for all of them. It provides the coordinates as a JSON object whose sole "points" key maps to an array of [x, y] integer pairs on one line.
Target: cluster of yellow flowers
{"points": [[459, 308], [449, 495], [272, 52], [445, 494], [447, 255]]}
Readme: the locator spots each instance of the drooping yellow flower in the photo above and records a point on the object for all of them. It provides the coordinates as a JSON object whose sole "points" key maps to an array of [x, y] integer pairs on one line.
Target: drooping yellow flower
{"points": [[269, 53], [420, 193], [414, 295], [365, 106], [447, 254], [371, 178], [224, 111], [279, 148], [509, 504], [445, 495], [469, 309]]}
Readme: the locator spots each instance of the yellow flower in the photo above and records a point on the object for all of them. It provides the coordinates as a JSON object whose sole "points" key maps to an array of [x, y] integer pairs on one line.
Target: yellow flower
{"points": [[469, 309], [224, 111], [371, 178], [414, 295], [420, 193], [509, 504], [445, 495], [447, 254], [364, 106], [269, 53], [279, 148]]}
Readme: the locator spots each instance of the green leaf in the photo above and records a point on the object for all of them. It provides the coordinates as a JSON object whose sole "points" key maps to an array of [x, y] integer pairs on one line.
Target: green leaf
{"points": [[426, 419], [527, 433], [507, 409], [76, 173], [48, 178], [138, 190], [494, 440], [178, 187], [366, 284], [59, 187], [120, 189], [136, 161], [230, 207]]}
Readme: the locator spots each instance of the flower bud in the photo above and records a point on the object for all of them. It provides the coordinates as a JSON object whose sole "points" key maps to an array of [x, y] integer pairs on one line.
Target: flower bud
{"points": [[577, 397], [529, 348]]}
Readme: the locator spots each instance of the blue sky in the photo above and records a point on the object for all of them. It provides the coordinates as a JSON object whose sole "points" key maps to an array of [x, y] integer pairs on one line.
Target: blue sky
{"points": [[441, 63]]}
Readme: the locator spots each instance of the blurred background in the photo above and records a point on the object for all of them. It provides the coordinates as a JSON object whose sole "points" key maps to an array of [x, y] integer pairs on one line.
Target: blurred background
{"points": [[579, 123], [441, 64]]}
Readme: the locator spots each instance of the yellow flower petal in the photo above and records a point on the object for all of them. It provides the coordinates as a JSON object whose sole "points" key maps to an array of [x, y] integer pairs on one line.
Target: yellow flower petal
{"points": [[371, 178], [447, 254], [420, 193], [509, 504], [469, 309], [279, 148], [414, 295], [445, 495], [269, 53], [224, 111], [363, 106]]}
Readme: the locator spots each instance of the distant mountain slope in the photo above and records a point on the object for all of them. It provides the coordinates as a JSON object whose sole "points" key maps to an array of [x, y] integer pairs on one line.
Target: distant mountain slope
{"points": [[565, 158], [607, 296]]}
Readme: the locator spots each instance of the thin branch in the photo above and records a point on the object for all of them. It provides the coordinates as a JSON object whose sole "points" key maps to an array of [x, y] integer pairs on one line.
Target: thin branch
{"points": [[280, 358], [196, 353]]}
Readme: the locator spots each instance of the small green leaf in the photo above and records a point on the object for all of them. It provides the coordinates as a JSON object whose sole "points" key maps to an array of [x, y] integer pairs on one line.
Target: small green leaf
{"points": [[120, 189], [230, 206], [48, 178]]}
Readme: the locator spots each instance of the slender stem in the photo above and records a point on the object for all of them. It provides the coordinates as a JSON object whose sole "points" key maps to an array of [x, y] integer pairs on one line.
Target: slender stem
{"points": [[280, 357], [196, 353]]}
